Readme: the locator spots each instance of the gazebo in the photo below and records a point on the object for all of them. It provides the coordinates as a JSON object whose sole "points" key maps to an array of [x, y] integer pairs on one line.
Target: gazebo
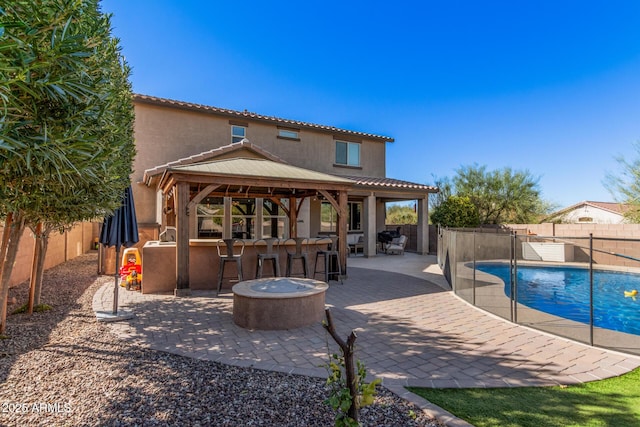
{"points": [[246, 172]]}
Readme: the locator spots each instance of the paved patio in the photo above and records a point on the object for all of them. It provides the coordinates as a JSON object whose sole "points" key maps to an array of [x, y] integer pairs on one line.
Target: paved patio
{"points": [[411, 331]]}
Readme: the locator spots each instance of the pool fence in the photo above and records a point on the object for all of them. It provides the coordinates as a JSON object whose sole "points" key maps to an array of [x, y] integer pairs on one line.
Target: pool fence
{"points": [[460, 251]]}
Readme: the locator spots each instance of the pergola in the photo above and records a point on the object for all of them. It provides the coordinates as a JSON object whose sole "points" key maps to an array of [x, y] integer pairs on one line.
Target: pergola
{"points": [[184, 186]]}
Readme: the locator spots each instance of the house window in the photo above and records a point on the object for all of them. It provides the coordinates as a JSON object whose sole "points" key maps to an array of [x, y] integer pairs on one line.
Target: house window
{"points": [[355, 216], [243, 218], [210, 218], [274, 219], [347, 153], [288, 134], [238, 133], [329, 217]]}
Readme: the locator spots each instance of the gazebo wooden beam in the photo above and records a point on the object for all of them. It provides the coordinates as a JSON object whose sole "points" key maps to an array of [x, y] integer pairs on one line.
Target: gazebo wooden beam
{"points": [[200, 196], [340, 206], [179, 183], [290, 184], [182, 240]]}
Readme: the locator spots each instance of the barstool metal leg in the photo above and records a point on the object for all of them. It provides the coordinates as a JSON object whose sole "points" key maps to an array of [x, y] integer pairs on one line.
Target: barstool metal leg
{"points": [[220, 275], [239, 264]]}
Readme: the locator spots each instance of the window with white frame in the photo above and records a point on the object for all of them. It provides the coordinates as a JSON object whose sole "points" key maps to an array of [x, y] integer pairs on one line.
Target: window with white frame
{"points": [[210, 215], [348, 153], [238, 133], [288, 134]]}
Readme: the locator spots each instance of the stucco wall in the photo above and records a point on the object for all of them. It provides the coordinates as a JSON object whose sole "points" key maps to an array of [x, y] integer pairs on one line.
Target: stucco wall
{"points": [[62, 247], [164, 134], [598, 216], [606, 244], [628, 231]]}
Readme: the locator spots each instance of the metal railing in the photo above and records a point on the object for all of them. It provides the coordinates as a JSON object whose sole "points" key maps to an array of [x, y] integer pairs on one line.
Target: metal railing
{"points": [[579, 287]]}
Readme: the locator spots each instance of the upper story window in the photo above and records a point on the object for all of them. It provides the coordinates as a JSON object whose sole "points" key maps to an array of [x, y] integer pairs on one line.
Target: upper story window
{"points": [[347, 153], [288, 134], [238, 133]]}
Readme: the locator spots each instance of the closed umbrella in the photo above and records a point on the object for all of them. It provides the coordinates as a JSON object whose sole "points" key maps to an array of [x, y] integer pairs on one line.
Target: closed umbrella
{"points": [[120, 229]]}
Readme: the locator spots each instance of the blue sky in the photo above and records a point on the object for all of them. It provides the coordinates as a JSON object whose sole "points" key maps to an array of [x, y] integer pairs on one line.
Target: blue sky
{"points": [[552, 87]]}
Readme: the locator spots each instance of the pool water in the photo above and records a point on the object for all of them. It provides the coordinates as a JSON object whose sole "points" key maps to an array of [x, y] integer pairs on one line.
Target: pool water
{"points": [[564, 292]]}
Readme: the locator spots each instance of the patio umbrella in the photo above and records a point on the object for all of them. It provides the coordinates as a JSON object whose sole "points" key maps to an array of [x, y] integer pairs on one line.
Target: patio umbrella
{"points": [[120, 229]]}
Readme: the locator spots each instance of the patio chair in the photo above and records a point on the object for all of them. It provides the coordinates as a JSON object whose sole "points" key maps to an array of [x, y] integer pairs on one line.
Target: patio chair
{"points": [[267, 250], [301, 252], [397, 245], [356, 243], [227, 253]]}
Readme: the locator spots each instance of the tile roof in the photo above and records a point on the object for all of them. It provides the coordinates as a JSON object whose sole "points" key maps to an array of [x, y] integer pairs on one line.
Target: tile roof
{"points": [[207, 155], [619, 208], [389, 183], [255, 116], [196, 162], [614, 207]]}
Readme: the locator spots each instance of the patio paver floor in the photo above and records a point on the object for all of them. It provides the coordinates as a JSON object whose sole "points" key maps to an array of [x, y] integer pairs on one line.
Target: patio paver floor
{"points": [[411, 331]]}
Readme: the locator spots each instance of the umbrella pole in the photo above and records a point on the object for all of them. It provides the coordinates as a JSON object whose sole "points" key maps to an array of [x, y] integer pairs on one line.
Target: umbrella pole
{"points": [[117, 285]]}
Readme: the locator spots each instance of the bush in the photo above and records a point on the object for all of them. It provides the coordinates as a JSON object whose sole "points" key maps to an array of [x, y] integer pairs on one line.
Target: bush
{"points": [[456, 211]]}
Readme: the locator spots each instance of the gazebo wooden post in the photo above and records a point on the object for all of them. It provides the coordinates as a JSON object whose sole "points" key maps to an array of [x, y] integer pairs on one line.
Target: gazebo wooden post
{"points": [[340, 206], [293, 217], [342, 227], [182, 240]]}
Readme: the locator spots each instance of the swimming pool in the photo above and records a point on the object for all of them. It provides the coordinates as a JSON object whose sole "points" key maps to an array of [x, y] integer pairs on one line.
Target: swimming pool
{"points": [[564, 292]]}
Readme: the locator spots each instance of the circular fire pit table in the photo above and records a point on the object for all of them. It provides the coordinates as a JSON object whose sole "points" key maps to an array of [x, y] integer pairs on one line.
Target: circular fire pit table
{"points": [[276, 303]]}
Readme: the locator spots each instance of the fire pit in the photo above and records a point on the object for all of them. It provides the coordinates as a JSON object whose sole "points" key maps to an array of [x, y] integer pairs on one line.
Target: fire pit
{"points": [[276, 303]]}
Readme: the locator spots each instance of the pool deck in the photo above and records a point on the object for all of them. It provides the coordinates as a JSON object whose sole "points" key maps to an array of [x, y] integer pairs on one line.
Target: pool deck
{"points": [[412, 331]]}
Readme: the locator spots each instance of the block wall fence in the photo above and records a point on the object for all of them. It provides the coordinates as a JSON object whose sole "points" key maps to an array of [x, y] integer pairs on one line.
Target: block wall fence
{"points": [[80, 240], [62, 247]]}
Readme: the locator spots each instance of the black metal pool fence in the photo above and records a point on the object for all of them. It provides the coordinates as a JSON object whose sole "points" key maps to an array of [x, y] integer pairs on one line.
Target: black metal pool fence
{"points": [[462, 251]]}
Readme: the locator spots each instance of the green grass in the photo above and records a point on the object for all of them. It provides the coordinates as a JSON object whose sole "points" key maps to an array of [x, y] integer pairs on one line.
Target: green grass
{"points": [[614, 402], [36, 309]]}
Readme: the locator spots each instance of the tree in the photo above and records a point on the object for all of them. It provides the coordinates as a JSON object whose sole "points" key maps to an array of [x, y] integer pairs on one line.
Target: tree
{"points": [[445, 190], [66, 145], [501, 196], [398, 214], [457, 212], [625, 187]]}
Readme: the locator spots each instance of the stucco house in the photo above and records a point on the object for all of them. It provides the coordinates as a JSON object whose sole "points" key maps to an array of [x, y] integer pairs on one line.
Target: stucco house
{"points": [[218, 173], [589, 212]]}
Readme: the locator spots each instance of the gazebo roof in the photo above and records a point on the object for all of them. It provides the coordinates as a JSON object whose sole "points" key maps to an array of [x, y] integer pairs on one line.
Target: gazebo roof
{"points": [[258, 168], [257, 177]]}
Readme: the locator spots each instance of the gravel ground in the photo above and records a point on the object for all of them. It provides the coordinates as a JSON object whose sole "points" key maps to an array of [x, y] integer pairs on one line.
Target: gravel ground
{"points": [[63, 368]]}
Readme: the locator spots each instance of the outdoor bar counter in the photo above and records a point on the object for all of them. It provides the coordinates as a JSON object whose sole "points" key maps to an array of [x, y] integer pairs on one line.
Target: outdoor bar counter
{"points": [[159, 264]]}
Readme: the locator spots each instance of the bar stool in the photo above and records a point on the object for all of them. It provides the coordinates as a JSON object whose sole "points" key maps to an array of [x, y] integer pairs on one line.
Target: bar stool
{"points": [[300, 252], [226, 252], [328, 255], [267, 250]]}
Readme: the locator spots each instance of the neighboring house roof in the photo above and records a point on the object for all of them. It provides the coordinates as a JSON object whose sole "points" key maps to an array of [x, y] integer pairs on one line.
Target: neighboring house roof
{"points": [[612, 207], [255, 116], [619, 208]]}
